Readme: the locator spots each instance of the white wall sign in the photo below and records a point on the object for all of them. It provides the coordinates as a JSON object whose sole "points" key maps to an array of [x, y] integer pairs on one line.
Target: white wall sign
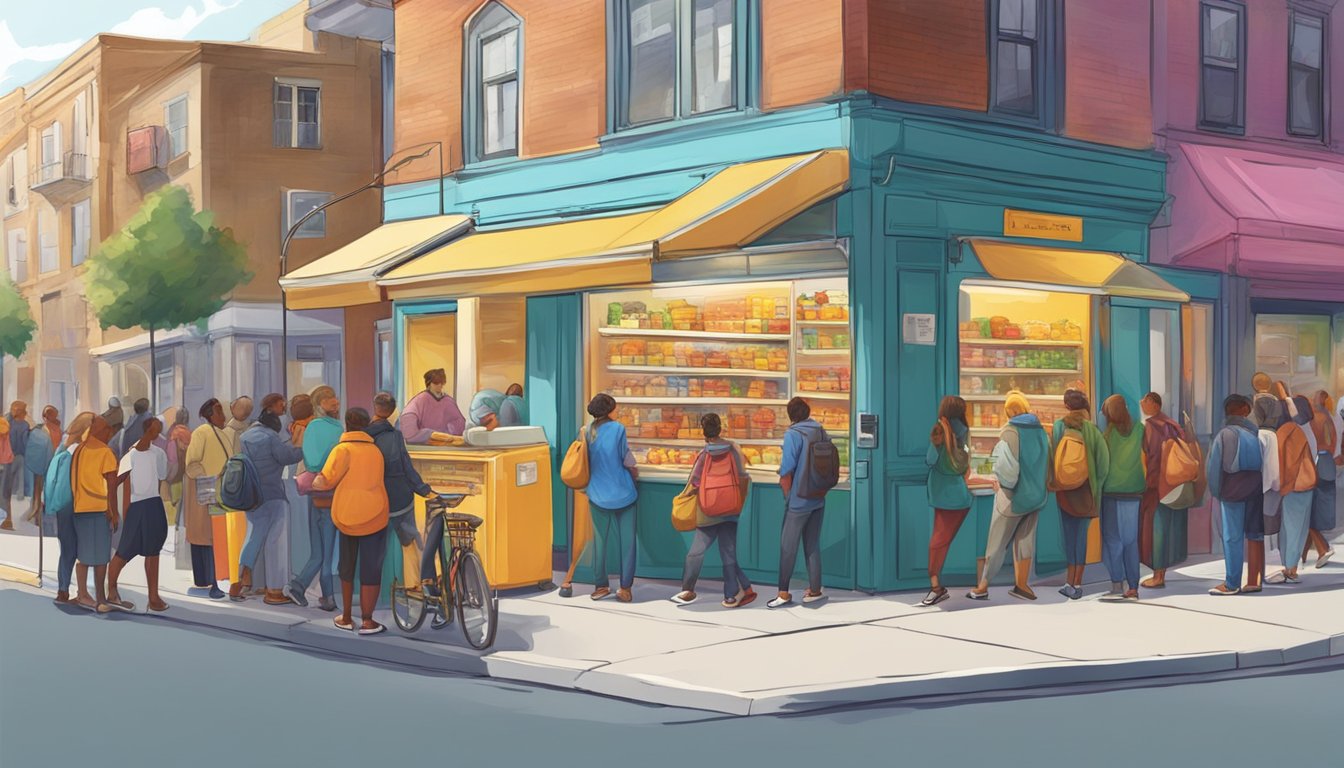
{"points": [[919, 329]]}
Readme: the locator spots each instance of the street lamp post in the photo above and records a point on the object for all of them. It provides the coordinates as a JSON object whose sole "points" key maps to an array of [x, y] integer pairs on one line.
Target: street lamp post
{"points": [[289, 237]]}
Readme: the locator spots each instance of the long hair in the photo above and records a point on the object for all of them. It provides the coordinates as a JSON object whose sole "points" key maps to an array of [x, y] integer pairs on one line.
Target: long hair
{"points": [[952, 408], [1116, 411]]}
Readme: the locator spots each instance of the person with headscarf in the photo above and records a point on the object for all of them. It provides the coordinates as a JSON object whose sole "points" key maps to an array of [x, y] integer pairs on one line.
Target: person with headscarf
{"points": [[1295, 484], [949, 461], [1323, 439], [135, 429], [1166, 528]]}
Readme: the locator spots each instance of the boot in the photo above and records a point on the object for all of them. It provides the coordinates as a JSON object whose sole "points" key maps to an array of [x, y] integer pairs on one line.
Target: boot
{"points": [[1255, 566], [238, 590]]}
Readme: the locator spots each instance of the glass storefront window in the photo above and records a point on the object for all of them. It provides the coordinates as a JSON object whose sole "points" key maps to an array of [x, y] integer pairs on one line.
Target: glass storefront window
{"points": [[1294, 349], [430, 342]]}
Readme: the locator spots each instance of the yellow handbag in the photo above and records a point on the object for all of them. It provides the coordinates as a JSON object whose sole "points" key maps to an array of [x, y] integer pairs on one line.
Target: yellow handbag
{"points": [[685, 509], [574, 469]]}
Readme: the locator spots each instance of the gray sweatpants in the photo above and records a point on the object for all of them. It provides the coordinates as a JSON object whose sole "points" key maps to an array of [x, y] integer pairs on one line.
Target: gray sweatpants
{"points": [[807, 527], [1008, 529]]}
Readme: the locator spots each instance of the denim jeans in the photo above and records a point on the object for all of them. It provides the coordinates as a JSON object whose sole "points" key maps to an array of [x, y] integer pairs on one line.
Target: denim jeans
{"points": [[65, 535], [321, 550], [1234, 541], [265, 524], [726, 535], [1296, 511], [1075, 538], [606, 524], [1120, 538], [807, 527]]}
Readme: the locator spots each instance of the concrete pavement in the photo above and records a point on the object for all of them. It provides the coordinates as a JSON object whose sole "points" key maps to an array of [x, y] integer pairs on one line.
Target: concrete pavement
{"points": [[851, 649]]}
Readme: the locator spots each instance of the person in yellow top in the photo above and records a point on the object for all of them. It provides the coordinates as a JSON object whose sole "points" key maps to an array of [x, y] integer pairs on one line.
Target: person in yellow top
{"points": [[354, 471], [211, 445], [93, 472]]}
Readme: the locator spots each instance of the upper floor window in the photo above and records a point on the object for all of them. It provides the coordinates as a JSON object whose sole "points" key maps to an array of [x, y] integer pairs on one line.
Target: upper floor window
{"points": [[298, 203], [1222, 80], [298, 114], [1306, 81], [1016, 32], [677, 58], [81, 230], [18, 255], [175, 122], [494, 66], [50, 167], [48, 258]]}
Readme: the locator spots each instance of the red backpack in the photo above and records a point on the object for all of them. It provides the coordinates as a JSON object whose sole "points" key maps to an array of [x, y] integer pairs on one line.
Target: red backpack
{"points": [[720, 486]]}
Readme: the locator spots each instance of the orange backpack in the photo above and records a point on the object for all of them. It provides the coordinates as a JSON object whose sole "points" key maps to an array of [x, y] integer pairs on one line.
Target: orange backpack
{"points": [[720, 486]]}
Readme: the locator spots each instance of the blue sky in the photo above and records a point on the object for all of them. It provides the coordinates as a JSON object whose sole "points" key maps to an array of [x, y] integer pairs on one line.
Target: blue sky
{"points": [[36, 34]]}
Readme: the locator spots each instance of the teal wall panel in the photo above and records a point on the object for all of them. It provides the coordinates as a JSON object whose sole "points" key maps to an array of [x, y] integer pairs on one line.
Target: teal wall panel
{"points": [[553, 354], [1126, 356]]}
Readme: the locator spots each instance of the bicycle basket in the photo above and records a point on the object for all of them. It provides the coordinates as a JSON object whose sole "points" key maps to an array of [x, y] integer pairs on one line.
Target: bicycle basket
{"points": [[461, 535]]}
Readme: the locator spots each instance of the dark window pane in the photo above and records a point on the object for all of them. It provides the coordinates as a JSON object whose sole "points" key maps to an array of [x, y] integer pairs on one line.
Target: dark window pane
{"points": [[1307, 42], [1220, 33], [1304, 99], [653, 61], [1018, 17], [1014, 81], [712, 49], [1220, 96]]}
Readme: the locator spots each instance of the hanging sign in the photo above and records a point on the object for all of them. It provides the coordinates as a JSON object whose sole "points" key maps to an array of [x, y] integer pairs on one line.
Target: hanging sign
{"points": [[919, 329], [1045, 226]]}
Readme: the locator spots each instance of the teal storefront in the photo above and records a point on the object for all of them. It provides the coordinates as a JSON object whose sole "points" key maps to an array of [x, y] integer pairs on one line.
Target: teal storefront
{"points": [[916, 231]]}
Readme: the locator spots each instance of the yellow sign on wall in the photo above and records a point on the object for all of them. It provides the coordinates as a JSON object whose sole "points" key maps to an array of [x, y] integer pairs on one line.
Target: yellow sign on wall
{"points": [[1047, 226]]}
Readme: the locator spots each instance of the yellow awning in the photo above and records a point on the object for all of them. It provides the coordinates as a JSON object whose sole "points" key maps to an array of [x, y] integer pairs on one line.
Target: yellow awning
{"points": [[728, 210], [1108, 273], [347, 276]]}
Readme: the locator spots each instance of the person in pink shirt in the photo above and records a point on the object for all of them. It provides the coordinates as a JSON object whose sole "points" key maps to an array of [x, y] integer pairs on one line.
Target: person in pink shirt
{"points": [[431, 411]]}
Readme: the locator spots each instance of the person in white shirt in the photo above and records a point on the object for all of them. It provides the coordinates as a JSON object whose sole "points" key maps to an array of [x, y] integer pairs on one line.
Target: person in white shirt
{"points": [[144, 466]]}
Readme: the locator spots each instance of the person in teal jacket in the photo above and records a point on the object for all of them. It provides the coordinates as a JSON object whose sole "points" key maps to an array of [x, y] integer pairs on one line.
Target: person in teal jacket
{"points": [[1078, 506], [948, 458], [1120, 498], [319, 438]]}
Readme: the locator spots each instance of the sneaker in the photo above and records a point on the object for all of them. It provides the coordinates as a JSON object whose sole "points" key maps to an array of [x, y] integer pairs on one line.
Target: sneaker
{"points": [[1022, 594], [294, 592], [1071, 592], [438, 622], [1323, 559], [935, 597], [1223, 590], [685, 598], [1277, 578], [779, 602], [216, 593], [1114, 596], [973, 595], [327, 604]]}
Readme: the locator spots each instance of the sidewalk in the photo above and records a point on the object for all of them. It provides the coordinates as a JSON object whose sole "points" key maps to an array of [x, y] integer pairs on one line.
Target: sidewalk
{"points": [[851, 649]]}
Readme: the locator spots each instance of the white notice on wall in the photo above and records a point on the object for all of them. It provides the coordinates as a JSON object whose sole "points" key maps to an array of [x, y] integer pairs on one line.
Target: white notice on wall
{"points": [[526, 473], [919, 329]]}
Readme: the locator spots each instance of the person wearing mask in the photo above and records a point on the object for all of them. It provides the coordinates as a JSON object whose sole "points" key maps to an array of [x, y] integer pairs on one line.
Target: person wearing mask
{"points": [[135, 427], [116, 419], [65, 518], [1316, 429], [1234, 469], [93, 475], [612, 494], [210, 447], [354, 471], [1077, 447], [270, 455], [317, 438], [1021, 476], [1294, 482], [403, 484], [1120, 497], [430, 411], [37, 455], [949, 461], [1167, 527], [12, 474], [802, 516], [142, 469], [737, 591]]}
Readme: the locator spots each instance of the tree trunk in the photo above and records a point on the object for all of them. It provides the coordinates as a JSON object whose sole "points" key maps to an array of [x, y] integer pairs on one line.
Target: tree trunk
{"points": [[153, 375]]}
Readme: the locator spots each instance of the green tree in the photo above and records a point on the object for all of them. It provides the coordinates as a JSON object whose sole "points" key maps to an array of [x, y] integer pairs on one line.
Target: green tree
{"points": [[169, 266], [16, 321]]}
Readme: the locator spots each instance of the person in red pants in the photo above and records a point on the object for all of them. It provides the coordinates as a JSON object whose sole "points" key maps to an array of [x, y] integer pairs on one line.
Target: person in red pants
{"points": [[949, 461]]}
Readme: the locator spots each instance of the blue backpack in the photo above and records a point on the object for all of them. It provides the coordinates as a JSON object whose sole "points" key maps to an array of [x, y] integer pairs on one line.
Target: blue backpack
{"points": [[820, 469], [57, 493], [239, 487], [1242, 466]]}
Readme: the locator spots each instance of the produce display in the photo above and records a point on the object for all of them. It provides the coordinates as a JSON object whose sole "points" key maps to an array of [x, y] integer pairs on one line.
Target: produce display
{"points": [[753, 314], [1052, 358], [671, 422], [1000, 327], [695, 386]]}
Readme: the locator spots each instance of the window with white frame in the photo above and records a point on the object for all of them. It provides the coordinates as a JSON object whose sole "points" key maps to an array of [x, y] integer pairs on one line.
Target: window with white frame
{"points": [[175, 122], [298, 203], [49, 259], [11, 183], [1306, 76], [51, 153], [676, 58], [1222, 80], [17, 248], [494, 66], [298, 114], [81, 228]]}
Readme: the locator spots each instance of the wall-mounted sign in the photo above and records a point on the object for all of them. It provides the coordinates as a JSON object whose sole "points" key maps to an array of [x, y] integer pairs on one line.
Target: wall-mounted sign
{"points": [[1046, 226], [526, 473], [919, 329]]}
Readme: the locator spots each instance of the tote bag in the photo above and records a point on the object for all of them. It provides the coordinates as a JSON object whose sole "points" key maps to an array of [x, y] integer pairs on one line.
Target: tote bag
{"points": [[685, 509]]}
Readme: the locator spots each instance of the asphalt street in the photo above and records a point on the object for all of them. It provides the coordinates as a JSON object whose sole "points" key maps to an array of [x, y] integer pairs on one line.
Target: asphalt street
{"points": [[80, 689]]}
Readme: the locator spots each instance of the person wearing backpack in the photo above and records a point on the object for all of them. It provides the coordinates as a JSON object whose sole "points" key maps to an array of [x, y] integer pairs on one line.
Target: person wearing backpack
{"points": [[1235, 479], [57, 499], [1120, 497], [210, 447], [270, 455], [612, 494], [1322, 518], [403, 483], [142, 468], [1266, 413], [720, 479], [809, 469], [949, 460], [318, 437], [1080, 462], [1292, 486], [1165, 528], [1021, 475]]}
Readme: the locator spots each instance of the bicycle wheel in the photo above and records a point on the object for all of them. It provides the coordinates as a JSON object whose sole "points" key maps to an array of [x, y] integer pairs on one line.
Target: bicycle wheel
{"points": [[477, 608], [444, 605], [408, 609]]}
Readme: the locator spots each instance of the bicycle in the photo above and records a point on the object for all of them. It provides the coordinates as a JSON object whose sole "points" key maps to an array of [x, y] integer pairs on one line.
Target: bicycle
{"points": [[461, 582]]}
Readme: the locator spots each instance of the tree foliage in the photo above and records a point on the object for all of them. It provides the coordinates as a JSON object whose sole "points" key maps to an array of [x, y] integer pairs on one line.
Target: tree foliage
{"points": [[16, 320], [169, 266]]}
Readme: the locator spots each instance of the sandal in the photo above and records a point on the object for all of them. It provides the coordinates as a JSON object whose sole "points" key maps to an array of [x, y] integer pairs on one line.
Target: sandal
{"points": [[808, 597], [160, 606], [779, 602], [348, 626], [600, 593], [116, 605], [375, 629], [624, 595], [746, 599], [935, 597]]}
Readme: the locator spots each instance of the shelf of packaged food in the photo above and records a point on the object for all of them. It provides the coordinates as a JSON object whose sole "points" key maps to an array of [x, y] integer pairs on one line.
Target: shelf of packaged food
{"points": [[986, 430], [748, 372], [1021, 342], [823, 395], [828, 323], [697, 401], [683, 443], [992, 398], [1028, 371], [833, 352], [708, 335]]}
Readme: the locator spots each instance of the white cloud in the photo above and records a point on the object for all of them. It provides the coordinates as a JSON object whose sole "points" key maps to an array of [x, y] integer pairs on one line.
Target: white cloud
{"points": [[154, 22], [13, 54]]}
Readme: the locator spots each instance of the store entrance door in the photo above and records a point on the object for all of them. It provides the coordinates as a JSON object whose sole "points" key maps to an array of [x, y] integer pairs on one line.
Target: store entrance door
{"points": [[1142, 343]]}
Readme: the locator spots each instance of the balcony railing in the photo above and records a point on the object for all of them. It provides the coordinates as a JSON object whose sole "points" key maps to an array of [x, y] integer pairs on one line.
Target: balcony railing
{"points": [[72, 166]]}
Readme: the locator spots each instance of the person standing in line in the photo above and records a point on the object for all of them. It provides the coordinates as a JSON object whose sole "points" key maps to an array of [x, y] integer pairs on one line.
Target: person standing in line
{"points": [[1168, 527], [12, 475], [1322, 515], [737, 591], [66, 535], [948, 459], [802, 515], [235, 521], [354, 471], [93, 474], [174, 442], [1294, 481], [612, 494], [6, 461], [1021, 477], [318, 437], [142, 470], [1234, 470], [403, 484], [300, 415], [210, 447], [1081, 462], [115, 417], [1265, 412], [134, 428], [37, 455], [430, 411], [270, 454], [1120, 499]]}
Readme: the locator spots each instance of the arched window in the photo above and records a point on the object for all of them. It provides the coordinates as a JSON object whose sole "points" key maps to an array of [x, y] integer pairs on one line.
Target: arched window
{"points": [[492, 86]]}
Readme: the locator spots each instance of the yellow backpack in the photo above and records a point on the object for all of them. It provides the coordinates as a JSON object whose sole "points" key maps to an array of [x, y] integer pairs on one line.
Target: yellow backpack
{"points": [[1070, 462]]}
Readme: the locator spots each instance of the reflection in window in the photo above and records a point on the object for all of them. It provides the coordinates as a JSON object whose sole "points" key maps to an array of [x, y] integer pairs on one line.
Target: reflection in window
{"points": [[1305, 89], [492, 88], [1015, 42], [677, 58], [1221, 73]]}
